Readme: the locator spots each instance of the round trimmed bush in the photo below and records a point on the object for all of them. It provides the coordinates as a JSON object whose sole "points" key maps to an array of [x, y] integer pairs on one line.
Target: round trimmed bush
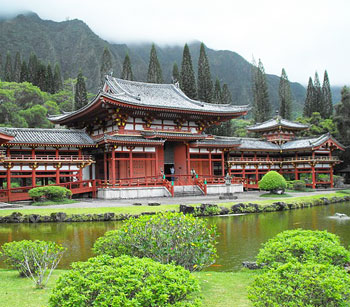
{"points": [[164, 237], [302, 246], [295, 285], [272, 181], [125, 281], [54, 193]]}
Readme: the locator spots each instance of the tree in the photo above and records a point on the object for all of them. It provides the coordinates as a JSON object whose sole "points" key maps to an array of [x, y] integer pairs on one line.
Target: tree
{"points": [[342, 115], [127, 71], [41, 76], [8, 72], [32, 68], [285, 96], [57, 79], [272, 181], [217, 96], [17, 68], [50, 87], [226, 96], [175, 74], [188, 80], [1, 68], [24, 72], [204, 83], [154, 74], [327, 97], [262, 106], [106, 64], [308, 106], [80, 97], [318, 102]]}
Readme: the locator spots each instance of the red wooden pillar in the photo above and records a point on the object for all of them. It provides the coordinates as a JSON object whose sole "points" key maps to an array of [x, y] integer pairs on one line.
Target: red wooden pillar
{"points": [[113, 165], [105, 165], [256, 173], [222, 163], [80, 174], [157, 172], [313, 176], [210, 166], [331, 175], [58, 166], [131, 164], [188, 160], [33, 169]]}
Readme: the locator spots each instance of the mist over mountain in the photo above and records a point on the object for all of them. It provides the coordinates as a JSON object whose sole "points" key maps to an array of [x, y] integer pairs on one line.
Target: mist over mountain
{"points": [[75, 46]]}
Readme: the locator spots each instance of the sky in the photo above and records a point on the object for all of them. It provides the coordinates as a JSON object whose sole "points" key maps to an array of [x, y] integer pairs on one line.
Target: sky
{"points": [[302, 36]]}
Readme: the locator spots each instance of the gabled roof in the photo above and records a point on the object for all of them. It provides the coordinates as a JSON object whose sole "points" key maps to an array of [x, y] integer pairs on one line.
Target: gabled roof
{"points": [[124, 139], [275, 123], [5, 136], [152, 134], [49, 136]]}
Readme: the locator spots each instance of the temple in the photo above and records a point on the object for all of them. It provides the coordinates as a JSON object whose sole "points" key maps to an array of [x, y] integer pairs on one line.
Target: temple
{"points": [[136, 139]]}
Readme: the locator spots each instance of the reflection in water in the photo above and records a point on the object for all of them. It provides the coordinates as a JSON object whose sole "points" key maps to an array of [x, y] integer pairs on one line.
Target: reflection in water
{"points": [[240, 236]]}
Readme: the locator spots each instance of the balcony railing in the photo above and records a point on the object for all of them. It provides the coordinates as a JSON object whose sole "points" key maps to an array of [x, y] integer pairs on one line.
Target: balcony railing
{"points": [[48, 158], [282, 160]]}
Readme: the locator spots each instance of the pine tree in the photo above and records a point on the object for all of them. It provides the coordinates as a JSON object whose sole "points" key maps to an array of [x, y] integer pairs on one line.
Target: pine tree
{"points": [[318, 105], [127, 71], [57, 79], [8, 71], [226, 95], [188, 80], [217, 96], [50, 87], [154, 74], [285, 96], [41, 76], [308, 107], [327, 97], [80, 96], [262, 106], [24, 72], [17, 68], [204, 82], [175, 74], [32, 69], [106, 64], [342, 116]]}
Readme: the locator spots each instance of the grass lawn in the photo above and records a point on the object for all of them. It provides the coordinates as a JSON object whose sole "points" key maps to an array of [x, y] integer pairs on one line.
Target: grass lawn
{"points": [[218, 289], [275, 195]]}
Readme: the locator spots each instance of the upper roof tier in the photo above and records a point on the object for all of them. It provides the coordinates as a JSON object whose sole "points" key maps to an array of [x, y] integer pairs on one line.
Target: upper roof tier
{"points": [[277, 123], [150, 97]]}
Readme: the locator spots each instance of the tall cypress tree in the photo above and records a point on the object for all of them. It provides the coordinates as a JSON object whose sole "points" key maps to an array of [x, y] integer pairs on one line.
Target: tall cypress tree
{"points": [[188, 80], [8, 71], [204, 82], [80, 96], [127, 71], [50, 87], [32, 68], [106, 65], [24, 72], [327, 96], [57, 79], [308, 106], [262, 106], [17, 68], [342, 116], [154, 74], [217, 96], [317, 105], [285, 96], [175, 73], [226, 95], [41, 76]]}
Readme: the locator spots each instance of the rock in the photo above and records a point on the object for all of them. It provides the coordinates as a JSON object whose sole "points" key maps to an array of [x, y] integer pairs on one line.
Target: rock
{"points": [[224, 210], [280, 206], [137, 204], [186, 209], [109, 216], [238, 208], [153, 204], [34, 218], [58, 217], [15, 217], [148, 213], [251, 265], [203, 207]]}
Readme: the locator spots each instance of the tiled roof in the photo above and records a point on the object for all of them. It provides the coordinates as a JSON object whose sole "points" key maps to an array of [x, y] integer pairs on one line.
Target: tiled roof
{"points": [[128, 139], [3, 131], [170, 134], [49, 136], [251, 143], [308, 142], [163, 95], [220, 141], [276, 122]]}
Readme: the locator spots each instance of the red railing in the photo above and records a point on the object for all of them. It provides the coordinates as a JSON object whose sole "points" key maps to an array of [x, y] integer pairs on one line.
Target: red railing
{"points": [[21, 193], [53, 158]]}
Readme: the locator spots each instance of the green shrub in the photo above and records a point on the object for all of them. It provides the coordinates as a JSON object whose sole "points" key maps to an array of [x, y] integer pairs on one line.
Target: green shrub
{"points": [[54, 193], [33, 259], [303, 246], [125, 281], [272, 181], [323, 177], [297, 285], [299, 185], [164, 237]]}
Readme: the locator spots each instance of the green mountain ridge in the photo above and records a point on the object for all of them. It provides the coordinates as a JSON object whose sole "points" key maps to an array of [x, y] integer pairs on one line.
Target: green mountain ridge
{"points": [[75, 46]]}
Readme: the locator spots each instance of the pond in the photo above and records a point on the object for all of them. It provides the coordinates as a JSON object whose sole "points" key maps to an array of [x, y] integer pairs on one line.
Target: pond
{"points": [[240, 236]]}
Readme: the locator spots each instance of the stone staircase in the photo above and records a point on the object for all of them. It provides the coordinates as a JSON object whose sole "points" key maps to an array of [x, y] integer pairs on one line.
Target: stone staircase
{"points": [[187, 190]]}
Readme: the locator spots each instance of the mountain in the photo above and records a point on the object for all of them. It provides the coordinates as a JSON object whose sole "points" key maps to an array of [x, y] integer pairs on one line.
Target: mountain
{"points": [[74, 46]]}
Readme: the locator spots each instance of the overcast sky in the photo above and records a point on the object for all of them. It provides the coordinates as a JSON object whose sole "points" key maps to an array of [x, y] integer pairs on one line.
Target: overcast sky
{"points": [[303, 36]]}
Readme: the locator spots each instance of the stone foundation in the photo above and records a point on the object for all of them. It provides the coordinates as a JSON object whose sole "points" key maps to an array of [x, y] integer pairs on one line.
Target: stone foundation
{"points": [[131, 193]]}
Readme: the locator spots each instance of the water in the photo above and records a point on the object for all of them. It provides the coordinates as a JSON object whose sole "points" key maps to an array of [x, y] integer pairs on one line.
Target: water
{"points": [[240, 236]]}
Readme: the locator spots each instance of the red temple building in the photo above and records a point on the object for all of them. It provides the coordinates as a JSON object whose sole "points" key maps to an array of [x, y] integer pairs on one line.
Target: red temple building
{"points": [[137, 139]]}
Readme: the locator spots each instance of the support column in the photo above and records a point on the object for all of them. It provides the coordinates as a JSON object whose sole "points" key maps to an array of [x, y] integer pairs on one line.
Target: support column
{"points": [[188, 160], [157, 163], [256, 174], [58, 166], [34, 166], [313, 176], [222, 164], [105, 165], [113, 165], [210, 163], [80, 174], [131, 164], [331, 175]]}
